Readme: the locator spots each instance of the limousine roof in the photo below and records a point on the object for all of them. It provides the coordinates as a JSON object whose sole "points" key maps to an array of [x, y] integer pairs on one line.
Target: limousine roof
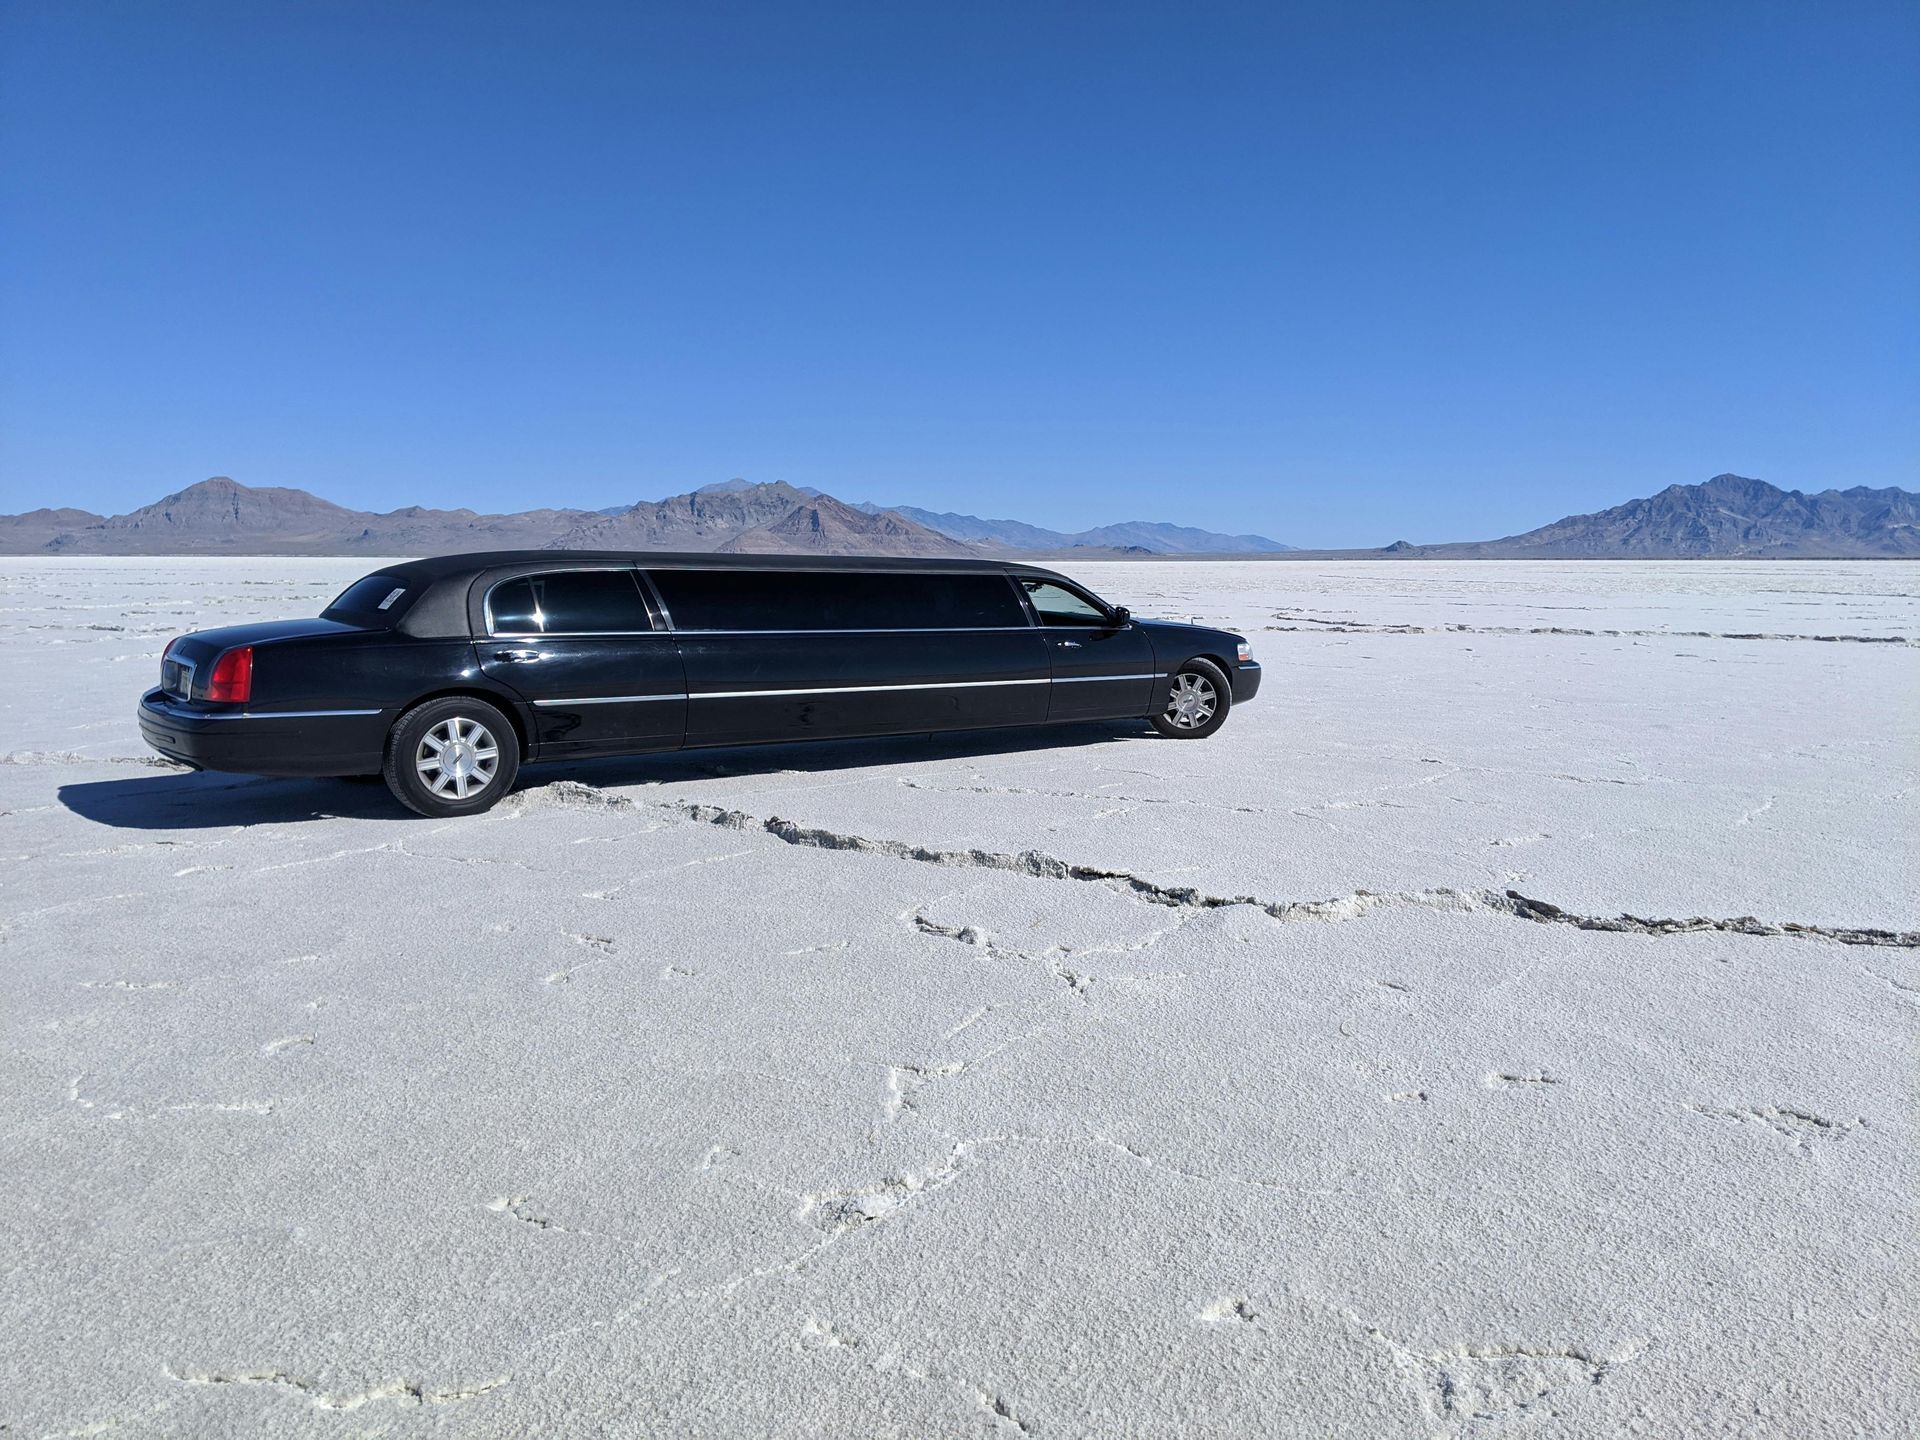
{"points": [[444, 567], [440, 607]]}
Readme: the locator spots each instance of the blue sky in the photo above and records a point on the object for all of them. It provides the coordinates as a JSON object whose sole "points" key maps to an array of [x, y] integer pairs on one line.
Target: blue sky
{"points": [[1337, 273]]}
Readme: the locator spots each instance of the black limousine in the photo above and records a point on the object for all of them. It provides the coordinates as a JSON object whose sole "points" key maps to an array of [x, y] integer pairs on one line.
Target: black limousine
{"points": [[446, 675]]}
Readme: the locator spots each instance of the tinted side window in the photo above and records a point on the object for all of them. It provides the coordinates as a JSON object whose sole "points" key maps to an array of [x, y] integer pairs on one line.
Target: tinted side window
{"points": [[928, 602], [723, 599], [1057, 605], [969, 601], [802, 600], [569, 602]]}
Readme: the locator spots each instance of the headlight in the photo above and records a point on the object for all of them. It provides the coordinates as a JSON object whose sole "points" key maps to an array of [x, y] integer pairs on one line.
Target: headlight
{"points": [[1243, 652]]}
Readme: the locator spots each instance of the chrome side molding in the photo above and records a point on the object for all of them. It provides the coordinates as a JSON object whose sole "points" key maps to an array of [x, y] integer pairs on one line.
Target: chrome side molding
{"points": [[608, 700], [180, 712], [861, 689], [832, 690]]}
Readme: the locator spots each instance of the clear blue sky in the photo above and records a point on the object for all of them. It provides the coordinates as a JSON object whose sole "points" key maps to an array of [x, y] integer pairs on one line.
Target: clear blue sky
{"points": [[1337, 273]]}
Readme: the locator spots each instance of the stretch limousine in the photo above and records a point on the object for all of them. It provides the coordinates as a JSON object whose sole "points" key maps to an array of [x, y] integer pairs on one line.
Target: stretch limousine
{"points": [[446, 675]]}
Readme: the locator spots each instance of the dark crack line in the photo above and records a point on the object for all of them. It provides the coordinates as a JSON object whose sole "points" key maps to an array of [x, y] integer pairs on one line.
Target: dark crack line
{"points": [[1530, 909], [1032, 863], [1038, 865]]}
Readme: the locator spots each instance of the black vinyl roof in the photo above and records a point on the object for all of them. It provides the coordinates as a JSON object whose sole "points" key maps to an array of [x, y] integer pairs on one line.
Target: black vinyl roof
{"points": [[446, 567], [443, 605]]}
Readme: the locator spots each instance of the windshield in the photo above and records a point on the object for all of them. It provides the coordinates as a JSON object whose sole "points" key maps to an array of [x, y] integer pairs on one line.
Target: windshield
{"points": [[376, 600]]}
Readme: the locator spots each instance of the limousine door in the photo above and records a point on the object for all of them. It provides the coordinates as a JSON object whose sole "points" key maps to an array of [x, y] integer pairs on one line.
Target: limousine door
{"points": [[778, 654], [1101, 671], [581, 648]]}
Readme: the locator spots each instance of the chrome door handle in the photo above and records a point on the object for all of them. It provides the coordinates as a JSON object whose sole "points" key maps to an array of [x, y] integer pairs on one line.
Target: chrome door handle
{"points": [[516, 654], [1068, 644]]}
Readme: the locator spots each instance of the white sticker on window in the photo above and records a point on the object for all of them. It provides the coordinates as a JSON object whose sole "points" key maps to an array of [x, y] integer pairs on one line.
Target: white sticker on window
{"points": [[392, 595]]}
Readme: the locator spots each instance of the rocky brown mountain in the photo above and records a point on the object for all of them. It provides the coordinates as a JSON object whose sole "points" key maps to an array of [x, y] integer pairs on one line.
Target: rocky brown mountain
{"points": [[701, 520], [22, 534], [220, 509], [1728, 516], [824, 526], [221, 516]]}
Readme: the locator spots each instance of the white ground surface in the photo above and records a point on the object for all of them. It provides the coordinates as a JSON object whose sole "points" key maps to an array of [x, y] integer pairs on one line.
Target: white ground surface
{"points": [[629, 1110]]}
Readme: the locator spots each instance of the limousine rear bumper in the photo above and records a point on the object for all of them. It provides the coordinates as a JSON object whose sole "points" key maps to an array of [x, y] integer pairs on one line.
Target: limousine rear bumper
{"points": [[265, 742]]}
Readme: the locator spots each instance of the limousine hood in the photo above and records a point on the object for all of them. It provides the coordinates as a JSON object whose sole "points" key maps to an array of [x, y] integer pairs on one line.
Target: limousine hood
{"points": [[1179, 632], [1185, 626]]}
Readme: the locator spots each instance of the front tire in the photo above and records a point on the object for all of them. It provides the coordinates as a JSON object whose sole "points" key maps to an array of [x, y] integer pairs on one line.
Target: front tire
{"points": [[1197, 699], [454, 756]]}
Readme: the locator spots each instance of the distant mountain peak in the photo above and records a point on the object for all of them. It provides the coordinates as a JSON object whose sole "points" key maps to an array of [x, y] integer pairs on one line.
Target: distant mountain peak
{"points": [[1132, 536], [1726, 516], [768, 517], [737, 486], [826, 526]]}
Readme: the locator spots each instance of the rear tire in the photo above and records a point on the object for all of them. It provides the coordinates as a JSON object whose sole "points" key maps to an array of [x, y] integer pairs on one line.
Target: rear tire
{"points": [[1197, 699], [453, 756]]}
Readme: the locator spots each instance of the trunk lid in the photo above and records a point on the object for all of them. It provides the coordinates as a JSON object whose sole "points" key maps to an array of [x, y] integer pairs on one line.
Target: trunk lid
{"points": [[194, 653]]}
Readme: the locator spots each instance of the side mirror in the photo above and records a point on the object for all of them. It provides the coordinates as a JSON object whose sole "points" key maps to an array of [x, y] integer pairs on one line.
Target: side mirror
{"points": [[1121, 617]]}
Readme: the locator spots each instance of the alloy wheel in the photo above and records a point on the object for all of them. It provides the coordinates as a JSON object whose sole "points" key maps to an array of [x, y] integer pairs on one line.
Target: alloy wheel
{"points": [[1192, 701], [457, 758]]}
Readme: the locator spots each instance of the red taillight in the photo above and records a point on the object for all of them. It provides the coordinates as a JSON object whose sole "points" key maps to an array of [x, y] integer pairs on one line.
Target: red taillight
{"points": [[232, 677]]}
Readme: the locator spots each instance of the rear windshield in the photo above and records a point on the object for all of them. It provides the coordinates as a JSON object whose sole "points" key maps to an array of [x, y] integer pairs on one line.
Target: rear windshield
{"points": [[836, 600], [376, 600]]}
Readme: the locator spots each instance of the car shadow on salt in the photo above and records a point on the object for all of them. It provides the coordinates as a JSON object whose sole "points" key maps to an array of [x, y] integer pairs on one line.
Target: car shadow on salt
{"points": [[207, 800]]}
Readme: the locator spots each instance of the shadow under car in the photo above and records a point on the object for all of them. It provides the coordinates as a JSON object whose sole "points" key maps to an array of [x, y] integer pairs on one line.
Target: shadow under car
{"points": [[206, 799]]}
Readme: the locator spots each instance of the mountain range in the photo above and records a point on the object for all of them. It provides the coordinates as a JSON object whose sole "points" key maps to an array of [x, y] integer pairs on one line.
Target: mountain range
{"points": [[222, 516], [1129, 535], [1727, 516]]}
